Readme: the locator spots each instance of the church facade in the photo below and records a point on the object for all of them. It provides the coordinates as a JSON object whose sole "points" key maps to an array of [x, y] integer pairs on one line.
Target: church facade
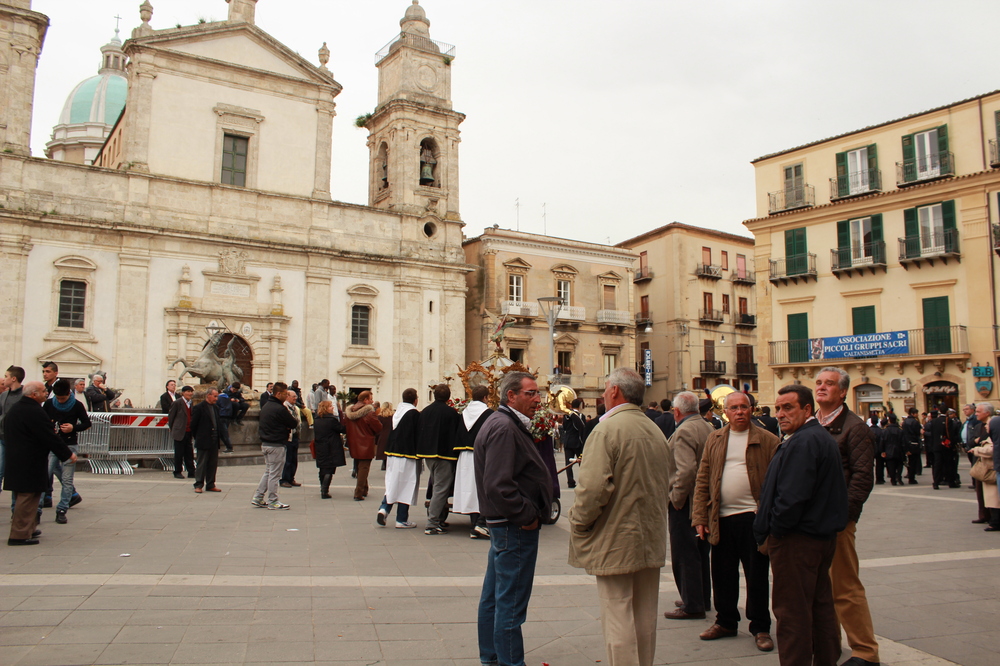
{"points": [[208, 209]]}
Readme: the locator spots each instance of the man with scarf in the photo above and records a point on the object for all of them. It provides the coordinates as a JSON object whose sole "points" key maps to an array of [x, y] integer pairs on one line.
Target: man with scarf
{"points": [[466, 496], [402, 470], [70, 416]]}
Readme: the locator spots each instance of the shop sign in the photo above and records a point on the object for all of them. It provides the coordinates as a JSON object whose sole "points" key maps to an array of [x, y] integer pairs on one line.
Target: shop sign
{"points": [[854, 346], [941, 388], [984, 387]]}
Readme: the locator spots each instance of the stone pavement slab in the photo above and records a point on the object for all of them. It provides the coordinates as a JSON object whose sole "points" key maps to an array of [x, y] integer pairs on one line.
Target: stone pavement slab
{"points": [[148, 572]]}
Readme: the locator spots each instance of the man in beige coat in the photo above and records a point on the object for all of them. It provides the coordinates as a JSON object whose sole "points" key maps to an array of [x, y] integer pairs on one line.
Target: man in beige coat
{"points": [[619, 520]]}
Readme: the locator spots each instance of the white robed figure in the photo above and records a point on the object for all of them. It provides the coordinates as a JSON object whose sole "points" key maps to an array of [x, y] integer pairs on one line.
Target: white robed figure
{"points": [[466, 498], [402, 469]]}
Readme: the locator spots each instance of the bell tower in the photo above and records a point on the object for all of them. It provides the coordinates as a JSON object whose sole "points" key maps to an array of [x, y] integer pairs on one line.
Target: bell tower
{"points": [[413, 134], [22, 32]]}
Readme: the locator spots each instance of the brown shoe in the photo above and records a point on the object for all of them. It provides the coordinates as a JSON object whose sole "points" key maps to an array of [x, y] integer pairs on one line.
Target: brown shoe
{"points": [[683, 615], [213, 489], [678, 604], [716, 631], [295, 483], [764, 642]]}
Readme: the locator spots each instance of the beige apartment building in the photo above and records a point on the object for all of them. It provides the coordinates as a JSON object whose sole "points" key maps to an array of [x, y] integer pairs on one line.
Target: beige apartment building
{"points": [[696, 314], [594, 329], [875, 251]]}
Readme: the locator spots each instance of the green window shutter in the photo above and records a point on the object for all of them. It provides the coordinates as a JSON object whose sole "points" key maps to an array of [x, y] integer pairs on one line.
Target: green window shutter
{"points": [[942, 139], [937, 326], [997, 118], [843, 181], [878, 242], [944, 157], [843, 244], [796, 261], [798, 337], [948, 222], [909, 159], [911, 233], [864, 320], [874, 178]]}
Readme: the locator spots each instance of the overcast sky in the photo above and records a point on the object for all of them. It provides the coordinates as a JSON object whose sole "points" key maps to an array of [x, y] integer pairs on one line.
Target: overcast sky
{"points": [[618, 116]]}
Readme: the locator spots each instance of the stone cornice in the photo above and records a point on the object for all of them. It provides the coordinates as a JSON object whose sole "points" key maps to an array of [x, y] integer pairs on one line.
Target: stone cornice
{"points": [[612, 254]]}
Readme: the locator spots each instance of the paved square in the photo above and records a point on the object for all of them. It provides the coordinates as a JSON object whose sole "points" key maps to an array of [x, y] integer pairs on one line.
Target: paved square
{"points": [[209, 579]]}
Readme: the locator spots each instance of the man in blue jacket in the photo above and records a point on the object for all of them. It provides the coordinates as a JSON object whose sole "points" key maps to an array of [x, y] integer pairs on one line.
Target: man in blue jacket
{"points": [[803, 505]]}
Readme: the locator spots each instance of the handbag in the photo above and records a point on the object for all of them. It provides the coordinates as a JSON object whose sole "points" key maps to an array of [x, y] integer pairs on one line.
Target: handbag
{"points": [[312, 449], [983, 471]]}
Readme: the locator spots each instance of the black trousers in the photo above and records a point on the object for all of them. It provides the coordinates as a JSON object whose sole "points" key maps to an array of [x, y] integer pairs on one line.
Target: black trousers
{"points": [[184, 456], [570, 454], [208, 465], [944, 466], [914, 465], [689, 560], [879, 468], [291, 460], [894, 466], [737, 547]]}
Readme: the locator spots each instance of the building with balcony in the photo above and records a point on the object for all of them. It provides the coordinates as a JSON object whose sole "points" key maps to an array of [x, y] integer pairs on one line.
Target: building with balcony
{"points": [[697, 313], [594, 323], [891, 278]]}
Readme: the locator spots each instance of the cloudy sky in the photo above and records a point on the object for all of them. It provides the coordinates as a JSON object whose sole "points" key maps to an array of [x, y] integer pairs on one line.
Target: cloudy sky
{"points": [[618, 117]]}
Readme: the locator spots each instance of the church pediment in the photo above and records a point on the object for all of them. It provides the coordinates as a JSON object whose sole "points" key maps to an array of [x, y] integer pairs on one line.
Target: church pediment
{"points": [[609, 277], [361, 368], [73, 361], [240, 44], [517, 265], [565, 339]]}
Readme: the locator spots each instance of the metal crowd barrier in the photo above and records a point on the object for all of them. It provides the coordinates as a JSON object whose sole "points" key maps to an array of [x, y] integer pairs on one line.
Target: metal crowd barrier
{"points": [[114, 437]]}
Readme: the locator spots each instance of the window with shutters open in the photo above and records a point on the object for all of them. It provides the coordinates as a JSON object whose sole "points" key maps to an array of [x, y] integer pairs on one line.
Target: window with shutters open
{"points": [[930, 230], [925, 156], [860, 242], [857, 172]]}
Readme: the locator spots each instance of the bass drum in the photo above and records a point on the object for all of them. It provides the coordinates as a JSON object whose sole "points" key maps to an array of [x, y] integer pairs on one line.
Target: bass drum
{"points": [[556, 511]]}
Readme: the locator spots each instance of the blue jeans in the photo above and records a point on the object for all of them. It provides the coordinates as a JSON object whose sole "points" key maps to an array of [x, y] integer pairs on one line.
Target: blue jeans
{"points": [[402, 513], [66, 471], [503, 605]]}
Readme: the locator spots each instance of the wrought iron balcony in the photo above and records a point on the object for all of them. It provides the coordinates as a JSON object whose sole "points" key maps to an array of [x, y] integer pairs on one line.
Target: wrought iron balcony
{"points": [[415, 41], [713, 367], [571, 313], [710, 316], [855, 184], [994, 153], [519, 308], [922, 169], [941, 245], [643, 318], [614, 317], [791, 198], [794, 268], [643, 275], [712, 272], [862, 256], [746, 369], [746, 277], [744, 319], [932, 341]]}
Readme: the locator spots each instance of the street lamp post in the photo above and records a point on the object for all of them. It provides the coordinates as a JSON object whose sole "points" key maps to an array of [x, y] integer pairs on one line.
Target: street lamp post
{"points": [[551, 305]]}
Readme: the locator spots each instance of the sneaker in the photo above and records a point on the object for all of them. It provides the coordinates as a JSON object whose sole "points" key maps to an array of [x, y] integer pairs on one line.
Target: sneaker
{"points": [[479, 532], [380, 517], [409, 525], [274, 506], [258, 502], [74, 500], [61, 517], [431, 529]]}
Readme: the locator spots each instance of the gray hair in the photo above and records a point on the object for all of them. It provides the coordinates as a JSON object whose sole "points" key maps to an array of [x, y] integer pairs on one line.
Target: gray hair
{"points": [[512, 381], [845, 379], [990, 409], [30, 389], [725, 403], [686, 403], [629, 383]]}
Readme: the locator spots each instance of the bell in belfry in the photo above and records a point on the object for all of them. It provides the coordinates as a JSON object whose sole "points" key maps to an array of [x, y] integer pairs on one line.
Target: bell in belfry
{"points": [[427, 163]]}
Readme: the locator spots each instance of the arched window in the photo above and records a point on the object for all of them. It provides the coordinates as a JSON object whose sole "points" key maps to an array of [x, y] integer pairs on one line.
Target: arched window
{"points": [[382, 168]]}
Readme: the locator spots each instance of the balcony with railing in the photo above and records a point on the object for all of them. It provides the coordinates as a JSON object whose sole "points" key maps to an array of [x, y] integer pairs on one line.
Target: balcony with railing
{"points": [[743, 277], [519, 308], [642, 275], [791, 198], [746, 369], [419, 42], [922, 169], [710, 316], [614, 318], [794, 268], [938, 245], [571, 313], [711, 272], [858, 257], [643, 318], [713, 367], [994, 153], [745, 320], [856, 184], [921, 342]]}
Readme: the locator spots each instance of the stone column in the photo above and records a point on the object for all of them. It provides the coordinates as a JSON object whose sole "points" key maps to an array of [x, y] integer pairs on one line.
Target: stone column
{"points": [[137, 118], [317, 324], [14, 252], [20, 46], [324, 148], [129, 353]]}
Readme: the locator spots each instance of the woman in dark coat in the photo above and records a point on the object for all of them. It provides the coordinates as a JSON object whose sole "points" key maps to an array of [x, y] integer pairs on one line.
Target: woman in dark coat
{"points": [[385, 417], [328, 445]]}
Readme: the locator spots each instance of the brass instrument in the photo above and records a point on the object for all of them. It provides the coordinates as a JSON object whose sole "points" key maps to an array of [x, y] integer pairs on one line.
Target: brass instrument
{"points": [[718, 396], [561, 398]]}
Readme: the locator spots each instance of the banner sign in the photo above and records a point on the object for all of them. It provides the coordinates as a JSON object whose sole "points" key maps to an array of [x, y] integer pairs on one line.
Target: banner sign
{"points": [[647, 366], [853, 346]]}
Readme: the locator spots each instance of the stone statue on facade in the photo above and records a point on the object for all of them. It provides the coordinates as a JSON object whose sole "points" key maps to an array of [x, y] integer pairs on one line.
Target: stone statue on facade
{"points": [[210, 368]]}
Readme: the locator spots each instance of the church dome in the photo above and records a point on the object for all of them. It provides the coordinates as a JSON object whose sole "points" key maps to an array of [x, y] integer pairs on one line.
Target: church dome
{"points": [[415, 13], [99, 99]]}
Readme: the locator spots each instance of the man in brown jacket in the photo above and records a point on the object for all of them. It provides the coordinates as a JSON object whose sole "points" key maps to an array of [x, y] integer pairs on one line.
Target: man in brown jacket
{"points": [[857, 452], [726, 494], [688, 554], [618, 524], [362, 425]]}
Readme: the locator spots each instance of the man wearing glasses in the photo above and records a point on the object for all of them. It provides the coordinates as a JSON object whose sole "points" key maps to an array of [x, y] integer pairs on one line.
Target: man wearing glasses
{"points": [[515, 496]]}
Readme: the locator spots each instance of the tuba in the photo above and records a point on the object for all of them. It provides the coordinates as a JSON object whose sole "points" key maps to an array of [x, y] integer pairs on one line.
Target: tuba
{"points": [[561, 399], [718, 396]]}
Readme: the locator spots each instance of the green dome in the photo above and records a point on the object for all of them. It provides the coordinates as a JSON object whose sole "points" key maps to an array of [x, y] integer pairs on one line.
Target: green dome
{"points": [[99, 99]]}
